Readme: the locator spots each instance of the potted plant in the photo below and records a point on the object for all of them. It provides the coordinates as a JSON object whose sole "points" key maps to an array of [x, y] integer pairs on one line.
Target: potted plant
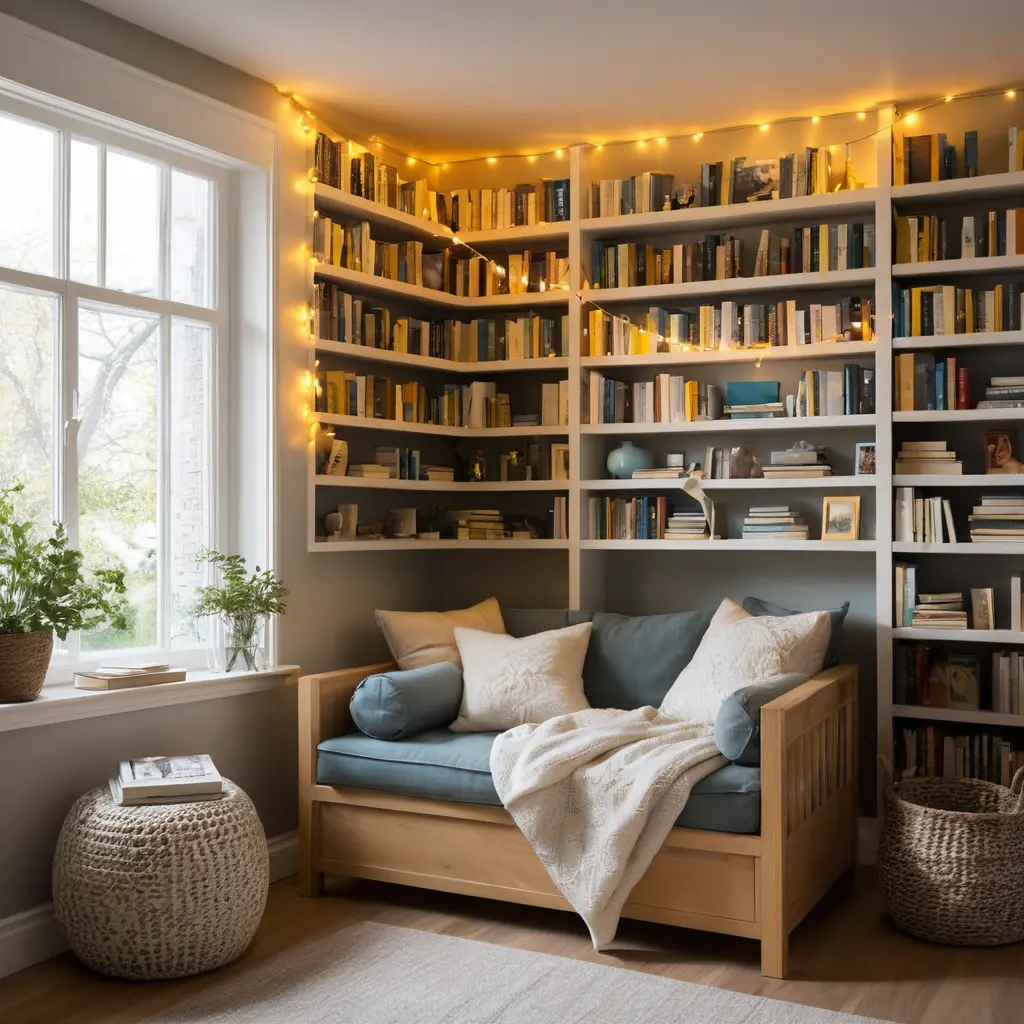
{"points": [[44, 589], [242, 604]]}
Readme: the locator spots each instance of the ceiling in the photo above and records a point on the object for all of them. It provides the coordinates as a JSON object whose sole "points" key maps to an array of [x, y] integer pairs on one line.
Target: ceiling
{"points": [[466, 78]]}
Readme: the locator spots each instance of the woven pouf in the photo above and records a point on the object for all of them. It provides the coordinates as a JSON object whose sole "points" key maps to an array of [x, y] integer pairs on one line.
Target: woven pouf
{"points": [[160, 891]]}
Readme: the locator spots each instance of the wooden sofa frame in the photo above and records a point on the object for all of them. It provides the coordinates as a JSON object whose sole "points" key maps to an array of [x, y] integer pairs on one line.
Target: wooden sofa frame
{"points": [[756, 886]]}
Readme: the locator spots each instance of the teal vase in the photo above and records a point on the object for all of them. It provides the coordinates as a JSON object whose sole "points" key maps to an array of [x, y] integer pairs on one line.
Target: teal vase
{"points": [[625, 460]]}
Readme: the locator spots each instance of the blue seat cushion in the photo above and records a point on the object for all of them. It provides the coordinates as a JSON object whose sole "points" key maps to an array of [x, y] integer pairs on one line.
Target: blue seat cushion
{"points": [[442, 765]]}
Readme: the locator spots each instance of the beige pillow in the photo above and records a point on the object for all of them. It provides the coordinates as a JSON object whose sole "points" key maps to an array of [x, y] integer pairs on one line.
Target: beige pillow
{"points": [[739, 649], [508, 681], [425, 638]]}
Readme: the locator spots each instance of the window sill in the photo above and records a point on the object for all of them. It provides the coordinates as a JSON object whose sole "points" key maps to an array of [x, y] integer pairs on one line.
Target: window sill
{"points": [[63, 703]]}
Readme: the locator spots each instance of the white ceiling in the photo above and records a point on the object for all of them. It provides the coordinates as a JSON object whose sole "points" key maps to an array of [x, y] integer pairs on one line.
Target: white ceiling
{"points": [[457, 78]]}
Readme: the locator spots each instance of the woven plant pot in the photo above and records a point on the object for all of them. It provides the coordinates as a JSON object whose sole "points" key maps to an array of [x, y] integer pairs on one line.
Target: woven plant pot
{"points": [[24, 659], [951, 859]]}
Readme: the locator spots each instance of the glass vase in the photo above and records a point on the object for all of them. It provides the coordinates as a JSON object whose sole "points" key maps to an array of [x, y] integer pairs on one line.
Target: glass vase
{"points": [[241, 647]]}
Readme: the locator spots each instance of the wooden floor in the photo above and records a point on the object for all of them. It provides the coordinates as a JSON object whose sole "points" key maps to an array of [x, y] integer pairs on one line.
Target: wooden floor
{"points": [[844, 957]]}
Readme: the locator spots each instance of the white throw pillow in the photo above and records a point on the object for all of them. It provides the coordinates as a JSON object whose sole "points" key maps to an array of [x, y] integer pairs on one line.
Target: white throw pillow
{"points": [[416, 639], [739, 649], [508, 681]]}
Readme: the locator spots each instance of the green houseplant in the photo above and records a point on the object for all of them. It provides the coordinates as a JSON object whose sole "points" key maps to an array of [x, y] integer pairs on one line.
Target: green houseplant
{"points": [[242, 603], [45, 589]]}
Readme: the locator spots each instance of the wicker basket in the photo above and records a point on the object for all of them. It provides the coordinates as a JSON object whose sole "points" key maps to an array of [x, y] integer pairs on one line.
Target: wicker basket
{"points": [[951, 859], [24, 659]]}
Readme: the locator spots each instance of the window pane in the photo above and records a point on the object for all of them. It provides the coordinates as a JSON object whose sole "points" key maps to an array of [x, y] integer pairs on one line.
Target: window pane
{"points": [[189, 440], [27, 403], [133, 224], [27, 201], [118, 460], [190, 239], [85, 201]]}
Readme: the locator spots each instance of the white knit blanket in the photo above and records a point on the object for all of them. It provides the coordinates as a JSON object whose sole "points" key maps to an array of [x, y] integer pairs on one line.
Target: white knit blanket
{"points": [[596, 793]]}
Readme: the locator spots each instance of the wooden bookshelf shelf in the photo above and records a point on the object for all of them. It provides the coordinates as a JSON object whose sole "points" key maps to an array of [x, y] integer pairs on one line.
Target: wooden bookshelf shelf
{"points": [[848, 546], [989, 718], [447, 487], [829, 350], [977, 636], [383, 355], [369, 284], [968, 548], [961, 190], [715, 218], [835, 280], [825, 483], [790, 423], [969, 480], [400, 427], [959, 416], [378, 546], [343, 205], [962, 268], [987, 339]]}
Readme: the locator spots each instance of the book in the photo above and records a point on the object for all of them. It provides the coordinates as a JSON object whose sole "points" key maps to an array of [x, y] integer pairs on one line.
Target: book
{"points": [[123, 679], [117, 794], [183, 776], [982, 608]]}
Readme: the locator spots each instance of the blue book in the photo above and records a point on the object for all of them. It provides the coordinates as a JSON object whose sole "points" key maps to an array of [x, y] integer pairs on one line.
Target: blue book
{"points": [[752, 392]]}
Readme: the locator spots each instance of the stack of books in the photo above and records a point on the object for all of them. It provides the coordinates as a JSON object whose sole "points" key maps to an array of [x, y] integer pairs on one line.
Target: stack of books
{"points": [[924, 458], [123, 677], [166, 780], [479, 524], [939, 611], [923, 520], [1004, 393], [753, 399], [370, 471], [773, 522], [444, 474], [798, 464], [661, 472], [687, 526], [999, 519]]}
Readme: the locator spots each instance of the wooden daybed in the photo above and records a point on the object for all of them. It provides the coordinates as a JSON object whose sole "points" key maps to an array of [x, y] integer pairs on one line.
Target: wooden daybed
{"points": [[756, 886]]}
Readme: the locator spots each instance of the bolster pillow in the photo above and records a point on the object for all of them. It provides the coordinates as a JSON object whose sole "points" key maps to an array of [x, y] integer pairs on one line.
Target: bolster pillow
{"points": [[396, 705], [738, 723]]}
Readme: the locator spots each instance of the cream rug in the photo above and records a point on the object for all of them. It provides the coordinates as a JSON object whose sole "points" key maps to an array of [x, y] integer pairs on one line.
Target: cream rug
{"points": [[378, 974]]}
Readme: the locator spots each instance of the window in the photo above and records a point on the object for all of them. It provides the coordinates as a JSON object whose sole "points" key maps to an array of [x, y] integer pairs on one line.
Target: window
{"points": [[113, 331]]}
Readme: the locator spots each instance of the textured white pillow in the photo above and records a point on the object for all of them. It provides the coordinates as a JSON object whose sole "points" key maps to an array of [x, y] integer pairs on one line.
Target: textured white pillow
{"points": [[739, 649], [508, 682]]}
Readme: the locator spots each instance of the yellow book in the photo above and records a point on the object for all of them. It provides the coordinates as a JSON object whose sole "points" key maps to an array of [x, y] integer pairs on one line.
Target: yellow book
{"points": [[933, 173], [915, 312], [998, 303], [902, 239], [969, 310], [336, 391], [951, 382], [690, 394], [823, 262], [898, 170], [905, 402], [638, 341]]}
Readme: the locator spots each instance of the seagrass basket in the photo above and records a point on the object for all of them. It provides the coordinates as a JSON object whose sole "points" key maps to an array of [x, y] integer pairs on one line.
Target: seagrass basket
{"points": [[951, 859], [24, 659]]}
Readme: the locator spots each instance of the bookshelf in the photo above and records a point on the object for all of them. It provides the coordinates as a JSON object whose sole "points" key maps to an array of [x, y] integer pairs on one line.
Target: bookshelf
{"points": [[644, 576]]}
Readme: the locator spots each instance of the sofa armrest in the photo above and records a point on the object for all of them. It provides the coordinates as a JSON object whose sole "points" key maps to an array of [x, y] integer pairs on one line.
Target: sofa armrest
{"points": [[324, 713]]}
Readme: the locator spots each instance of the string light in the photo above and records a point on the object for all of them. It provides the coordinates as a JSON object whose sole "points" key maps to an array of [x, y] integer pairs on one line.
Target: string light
{"points": [[815, 119], [764, 127], [910, 118], [559, 154], [1010, 93], [948, 99], [861, 116], [492, 159], [697, 136]]}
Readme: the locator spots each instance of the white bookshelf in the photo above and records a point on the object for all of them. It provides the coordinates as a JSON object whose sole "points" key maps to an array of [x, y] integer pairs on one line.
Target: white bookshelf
{"points": [[591, 570]]}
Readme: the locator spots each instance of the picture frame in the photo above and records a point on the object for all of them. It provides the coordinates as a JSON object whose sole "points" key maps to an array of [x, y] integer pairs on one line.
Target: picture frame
{"points": [[560, 461], [840, 517], [982, 608], [864, 464], [998, 447]]}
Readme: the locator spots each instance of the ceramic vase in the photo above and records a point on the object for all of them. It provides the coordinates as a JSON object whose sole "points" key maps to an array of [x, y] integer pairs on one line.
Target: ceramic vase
{"points": [[625, 460]]}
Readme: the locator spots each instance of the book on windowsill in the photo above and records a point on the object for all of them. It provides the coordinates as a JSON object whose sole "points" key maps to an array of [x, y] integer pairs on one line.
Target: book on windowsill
{"points": [[152, 780], [124, 677]]}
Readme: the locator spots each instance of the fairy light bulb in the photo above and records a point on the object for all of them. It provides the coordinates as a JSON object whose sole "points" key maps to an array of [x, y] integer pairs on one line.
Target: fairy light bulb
{"points": [[764, 127], [861, 115], [815, 119], [1010, 93], [697, 136]]}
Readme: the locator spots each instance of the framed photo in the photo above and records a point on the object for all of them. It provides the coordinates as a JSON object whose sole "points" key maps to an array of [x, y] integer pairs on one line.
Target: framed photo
{"points": [[982, 612], [865, 459], [559, 462], [964, 682], [840, 518], [755, 181], [1000, 454]]}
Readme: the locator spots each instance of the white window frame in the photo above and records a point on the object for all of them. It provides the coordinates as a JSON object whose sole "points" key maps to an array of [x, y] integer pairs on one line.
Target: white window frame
{"points": [[70, 294]]}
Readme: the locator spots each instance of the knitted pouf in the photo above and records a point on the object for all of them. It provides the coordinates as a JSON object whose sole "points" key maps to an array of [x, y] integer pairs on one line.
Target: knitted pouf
{"points": [[160, 891]]}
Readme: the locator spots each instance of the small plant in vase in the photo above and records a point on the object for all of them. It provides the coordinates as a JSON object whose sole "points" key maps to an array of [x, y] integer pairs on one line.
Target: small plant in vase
{"points": [[242, 603], [45, 589]]}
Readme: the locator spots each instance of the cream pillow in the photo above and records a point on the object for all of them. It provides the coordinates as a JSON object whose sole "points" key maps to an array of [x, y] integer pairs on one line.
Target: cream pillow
{"points": [[508, 681], [425, 638], [739, 649]]}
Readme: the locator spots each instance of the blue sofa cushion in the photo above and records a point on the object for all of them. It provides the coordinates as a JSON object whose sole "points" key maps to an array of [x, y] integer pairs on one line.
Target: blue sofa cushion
{"points": [[756, 606], [396, 705], [443, 765], [633, 661], [738, 723]]}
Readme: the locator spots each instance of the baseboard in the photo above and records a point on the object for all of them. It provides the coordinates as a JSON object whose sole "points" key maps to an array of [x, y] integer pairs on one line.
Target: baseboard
{"points": [[35, 935], [284, 856], [867, 840]]}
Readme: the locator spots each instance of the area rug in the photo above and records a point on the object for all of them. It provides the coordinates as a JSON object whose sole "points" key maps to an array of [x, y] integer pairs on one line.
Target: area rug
{"points": [[379, 974]]}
